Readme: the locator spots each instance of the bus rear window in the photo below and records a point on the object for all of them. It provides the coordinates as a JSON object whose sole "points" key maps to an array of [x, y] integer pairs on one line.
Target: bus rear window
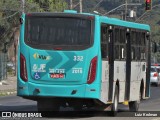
{"points": [[65, 32]]}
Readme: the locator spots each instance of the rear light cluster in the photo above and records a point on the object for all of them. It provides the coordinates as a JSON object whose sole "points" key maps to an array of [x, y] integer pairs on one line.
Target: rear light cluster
{"points": [[23, 69], [155, 75], [92, 70]]}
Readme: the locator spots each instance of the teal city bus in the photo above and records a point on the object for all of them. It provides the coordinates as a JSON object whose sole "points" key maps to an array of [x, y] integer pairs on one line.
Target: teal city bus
{"points": [[83, 59]]}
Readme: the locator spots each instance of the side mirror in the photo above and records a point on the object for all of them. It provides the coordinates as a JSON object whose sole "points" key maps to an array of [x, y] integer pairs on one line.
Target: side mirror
{"points": [[154, 47]]}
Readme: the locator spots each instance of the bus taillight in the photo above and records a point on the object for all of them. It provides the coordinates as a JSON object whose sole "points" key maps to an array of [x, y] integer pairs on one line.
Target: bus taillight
{"points": [[92, 70], [23, 69]]}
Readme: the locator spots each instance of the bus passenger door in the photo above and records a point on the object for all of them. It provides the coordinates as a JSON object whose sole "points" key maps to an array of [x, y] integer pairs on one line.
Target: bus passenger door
{"points": [[148, 61], [105, 63], [111, 62], [128, 65], [107, 53]]}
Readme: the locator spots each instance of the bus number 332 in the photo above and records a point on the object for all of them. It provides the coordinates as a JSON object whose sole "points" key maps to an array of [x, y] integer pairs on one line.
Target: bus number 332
{"points": [[78, 58]]}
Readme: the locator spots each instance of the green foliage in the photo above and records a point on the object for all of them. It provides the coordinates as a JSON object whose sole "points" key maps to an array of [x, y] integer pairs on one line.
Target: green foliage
{"points": [[53, 5], [46, 5], [10, 11]]}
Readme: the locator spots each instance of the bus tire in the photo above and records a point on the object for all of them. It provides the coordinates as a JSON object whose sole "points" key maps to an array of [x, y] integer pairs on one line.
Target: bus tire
{"points": [[134, 105], [114, 106]]}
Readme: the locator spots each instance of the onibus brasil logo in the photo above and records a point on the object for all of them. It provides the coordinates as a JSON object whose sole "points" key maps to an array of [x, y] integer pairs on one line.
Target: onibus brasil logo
{"points": [[42, 57], [14, 115]]}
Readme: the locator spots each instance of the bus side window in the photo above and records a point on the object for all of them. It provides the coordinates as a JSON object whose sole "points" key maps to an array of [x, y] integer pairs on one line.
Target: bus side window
{"points": [[104, 42], [116, 44], [122, 53], [142, 47], [133, 46], [123, 44], [133, 53], [137, 47]]}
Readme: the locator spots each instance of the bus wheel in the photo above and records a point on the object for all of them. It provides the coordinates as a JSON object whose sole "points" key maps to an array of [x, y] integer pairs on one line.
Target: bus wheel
{"points": [[134, 105], [47, 105], [114, 106]]}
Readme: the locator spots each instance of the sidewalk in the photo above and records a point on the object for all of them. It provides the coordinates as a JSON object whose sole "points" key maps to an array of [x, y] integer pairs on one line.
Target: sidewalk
{"points": [[8, 86]]}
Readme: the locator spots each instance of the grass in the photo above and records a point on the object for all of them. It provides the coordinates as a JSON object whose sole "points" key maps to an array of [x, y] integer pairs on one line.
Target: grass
{"points": [[8, 92]]}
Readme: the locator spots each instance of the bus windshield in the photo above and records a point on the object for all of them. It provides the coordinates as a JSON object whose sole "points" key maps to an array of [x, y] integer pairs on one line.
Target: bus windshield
{"points": [[58, 31]]}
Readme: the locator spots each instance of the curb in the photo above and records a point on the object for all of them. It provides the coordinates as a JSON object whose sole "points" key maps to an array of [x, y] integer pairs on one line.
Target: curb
{"points": [[8, 92]]}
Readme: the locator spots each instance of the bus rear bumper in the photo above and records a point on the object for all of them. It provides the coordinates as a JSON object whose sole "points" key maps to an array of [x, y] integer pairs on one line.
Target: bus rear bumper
{"points": [[68, 91]]}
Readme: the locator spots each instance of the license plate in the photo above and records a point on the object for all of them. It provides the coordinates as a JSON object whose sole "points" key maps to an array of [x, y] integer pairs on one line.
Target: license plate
{"points": [[56, 75]]}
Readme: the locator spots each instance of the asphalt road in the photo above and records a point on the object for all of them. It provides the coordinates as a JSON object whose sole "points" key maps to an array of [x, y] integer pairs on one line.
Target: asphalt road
{"points": [[15, 103]]}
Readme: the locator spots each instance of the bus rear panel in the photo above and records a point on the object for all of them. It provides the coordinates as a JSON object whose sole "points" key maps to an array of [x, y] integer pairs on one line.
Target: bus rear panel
{"points": [[58, 56]]}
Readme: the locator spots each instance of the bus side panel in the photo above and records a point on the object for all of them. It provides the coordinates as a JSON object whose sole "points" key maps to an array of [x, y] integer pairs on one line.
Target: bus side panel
{"points": [[137, 74], [120, 75], [134, 81], [22, 87], [96, 85], [105, 81]]}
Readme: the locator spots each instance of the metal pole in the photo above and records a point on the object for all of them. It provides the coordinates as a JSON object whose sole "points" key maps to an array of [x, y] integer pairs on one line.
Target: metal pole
{"points": [[15, 55], [80, 5], [122, 14], [22, 6], [6, 65], [0, 66], [154, 59], [125, 10], [5, 71], [71, 4]]}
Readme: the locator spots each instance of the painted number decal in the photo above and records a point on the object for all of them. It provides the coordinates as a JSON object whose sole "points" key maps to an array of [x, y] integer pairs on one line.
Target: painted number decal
{"points": [[78, 58], [77, 70]]}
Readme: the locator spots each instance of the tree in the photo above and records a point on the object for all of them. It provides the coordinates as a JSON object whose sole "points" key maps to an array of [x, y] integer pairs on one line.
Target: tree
{"points": [[10, 11], [52, 5]]}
